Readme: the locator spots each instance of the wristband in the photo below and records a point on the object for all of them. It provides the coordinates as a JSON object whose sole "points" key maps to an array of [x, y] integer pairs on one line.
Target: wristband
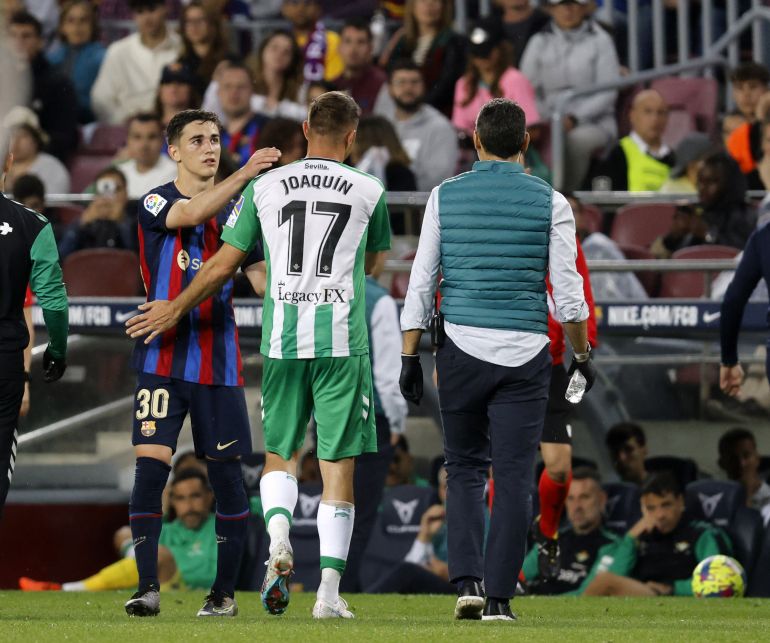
{"points": [[583, 357]]}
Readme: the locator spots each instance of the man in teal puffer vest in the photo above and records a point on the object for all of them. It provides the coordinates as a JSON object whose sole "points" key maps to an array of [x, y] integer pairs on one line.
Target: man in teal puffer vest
{"points": [[494, 233]]}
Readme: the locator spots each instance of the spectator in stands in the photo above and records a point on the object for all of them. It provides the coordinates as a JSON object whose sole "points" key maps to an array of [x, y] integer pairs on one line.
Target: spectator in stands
{"points": [[360, 78], [30, 192], [425, 569], [428, 40], [320, 53], [682, 233], [401, 469], [657, 556], [520, 21], [204, 44], [426, 134], [128, 78], [241, 127], [759, 177], [627, 445], [146, 167], [731, 122], [573, 52], [27, 143], [739, 459], [725, 216], [104, 223], [378, 151], [641, 161], [53, 96], [689, 154], [316, 88], [749, 84], [489, 75], [286, 135], [176, 92], [187, 552], [79, 55], [583, 545]]}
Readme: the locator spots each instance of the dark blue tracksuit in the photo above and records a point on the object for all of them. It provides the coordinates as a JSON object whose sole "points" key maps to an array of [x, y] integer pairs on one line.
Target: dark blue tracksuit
{"points": [[754, 265]]}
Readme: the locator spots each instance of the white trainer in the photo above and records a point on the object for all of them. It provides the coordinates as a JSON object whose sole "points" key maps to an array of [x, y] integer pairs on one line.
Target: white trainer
{"points": [[338, 609]]}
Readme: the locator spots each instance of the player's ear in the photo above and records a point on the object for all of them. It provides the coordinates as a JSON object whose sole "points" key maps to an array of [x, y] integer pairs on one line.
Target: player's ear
{"points": [[306, 129], [477, 141], [526, 143], [173, 152]]}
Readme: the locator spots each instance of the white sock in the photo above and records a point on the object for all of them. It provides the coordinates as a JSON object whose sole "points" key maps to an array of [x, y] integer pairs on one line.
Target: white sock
{"points": [[75, 586], [278, 490], [335, 528]]}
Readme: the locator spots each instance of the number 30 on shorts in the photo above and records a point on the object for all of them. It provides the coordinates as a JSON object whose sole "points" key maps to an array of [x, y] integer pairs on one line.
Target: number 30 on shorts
{"points": [[153, 403]]}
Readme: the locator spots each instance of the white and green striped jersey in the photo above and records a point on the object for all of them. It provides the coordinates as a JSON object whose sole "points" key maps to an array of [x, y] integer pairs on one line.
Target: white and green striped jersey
{"points": [[316, 219]]}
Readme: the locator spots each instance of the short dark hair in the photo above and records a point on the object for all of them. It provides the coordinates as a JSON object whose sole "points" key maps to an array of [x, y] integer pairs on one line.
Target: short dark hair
{"points": [[359, 24], [112, 170], [660, 484], [179, 121], [730, 440], [333, 113], [26, 18], [28, 185], [403, 64], [587, 473], [502, 127], [750, 70], [280, 132], [146, 117], [191, 474], [138, 5], [621, 433]]}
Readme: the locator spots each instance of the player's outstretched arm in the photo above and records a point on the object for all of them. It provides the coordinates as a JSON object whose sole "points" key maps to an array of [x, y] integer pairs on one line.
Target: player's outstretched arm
{"points": [[187, 213], [160, 315]]}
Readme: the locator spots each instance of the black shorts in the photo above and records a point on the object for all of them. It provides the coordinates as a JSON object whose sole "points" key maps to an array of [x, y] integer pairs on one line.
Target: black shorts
{"points": [[218, 416], [556, 427]]}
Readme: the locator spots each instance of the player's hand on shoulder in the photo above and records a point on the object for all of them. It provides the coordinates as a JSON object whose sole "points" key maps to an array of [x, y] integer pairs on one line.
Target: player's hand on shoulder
{"points": [[262, 160], [156, 318]]}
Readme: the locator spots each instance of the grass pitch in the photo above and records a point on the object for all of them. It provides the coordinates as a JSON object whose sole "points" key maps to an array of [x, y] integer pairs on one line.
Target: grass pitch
{"points": [[58, 616]]}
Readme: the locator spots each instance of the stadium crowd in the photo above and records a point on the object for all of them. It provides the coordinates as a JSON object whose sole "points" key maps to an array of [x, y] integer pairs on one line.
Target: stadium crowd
{"points": [[95, 121]]}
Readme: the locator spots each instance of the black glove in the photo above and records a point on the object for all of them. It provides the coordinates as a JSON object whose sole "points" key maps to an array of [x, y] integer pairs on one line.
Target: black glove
{"points": [[53, 367], [586, 368], [410, 381]]}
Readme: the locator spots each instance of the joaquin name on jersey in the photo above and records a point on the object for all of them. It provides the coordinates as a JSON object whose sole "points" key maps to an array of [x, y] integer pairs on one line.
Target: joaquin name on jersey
{"points": [[330, 181]]}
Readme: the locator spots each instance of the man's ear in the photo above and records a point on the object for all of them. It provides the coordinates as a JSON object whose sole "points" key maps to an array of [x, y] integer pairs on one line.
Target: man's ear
{"points": [[306, 129], [477, 141], [526, 143], [173, 152]]}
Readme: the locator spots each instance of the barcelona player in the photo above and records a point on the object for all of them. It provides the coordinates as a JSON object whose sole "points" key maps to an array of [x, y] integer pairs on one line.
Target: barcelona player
{"points": [[194, 367]]}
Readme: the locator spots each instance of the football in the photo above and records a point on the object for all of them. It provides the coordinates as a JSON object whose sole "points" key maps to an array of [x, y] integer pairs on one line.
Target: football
{"points": [[718, 577]]}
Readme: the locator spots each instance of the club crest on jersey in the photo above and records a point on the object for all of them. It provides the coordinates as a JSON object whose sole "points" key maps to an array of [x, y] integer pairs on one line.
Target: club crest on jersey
{"points": [[235, 213], [154, 203], [148, 428]]}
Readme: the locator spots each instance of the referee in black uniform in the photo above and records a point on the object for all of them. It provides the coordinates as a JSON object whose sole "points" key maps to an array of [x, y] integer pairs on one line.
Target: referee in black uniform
{"points": [[28, 255]]}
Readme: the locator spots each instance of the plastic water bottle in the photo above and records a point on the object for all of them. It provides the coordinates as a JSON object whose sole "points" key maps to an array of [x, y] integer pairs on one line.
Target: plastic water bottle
{"points": [[379, 28], [576, 388]]}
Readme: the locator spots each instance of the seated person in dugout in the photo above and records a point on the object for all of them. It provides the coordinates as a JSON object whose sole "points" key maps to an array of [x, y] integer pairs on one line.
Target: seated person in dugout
{"points": [[583, 545], [658, 555], [187, 554]]}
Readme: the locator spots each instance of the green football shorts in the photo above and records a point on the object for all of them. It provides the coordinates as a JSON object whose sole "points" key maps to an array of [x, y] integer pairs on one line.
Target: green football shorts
{"points": [[336, 390]]}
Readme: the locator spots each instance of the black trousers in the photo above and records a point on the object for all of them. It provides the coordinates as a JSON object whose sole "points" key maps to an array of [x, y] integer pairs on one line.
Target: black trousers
{"points": [[491, 415], [11, 392], [368, 486]]}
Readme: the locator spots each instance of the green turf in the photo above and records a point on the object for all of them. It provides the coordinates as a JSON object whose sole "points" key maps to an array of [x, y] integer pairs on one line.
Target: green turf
{"points": [[80, 617]]}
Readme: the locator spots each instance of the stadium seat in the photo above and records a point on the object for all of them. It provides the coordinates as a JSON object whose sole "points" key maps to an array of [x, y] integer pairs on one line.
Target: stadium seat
{"points": [[251, 466], [683, 469], [107, 139], [394, 530], [66, 214], [698, 96], [682, 285], [304, 537], [83, 169], [623, 510], [594, 217], [723, 504], [759, 582], [102, 272], [639, 224], [649, 279]]}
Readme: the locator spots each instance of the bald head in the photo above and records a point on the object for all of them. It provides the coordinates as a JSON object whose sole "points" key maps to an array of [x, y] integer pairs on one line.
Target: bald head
{"points": [[649, 116]]}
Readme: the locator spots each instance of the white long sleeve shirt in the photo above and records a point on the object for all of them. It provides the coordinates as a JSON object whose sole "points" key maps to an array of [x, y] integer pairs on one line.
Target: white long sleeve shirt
{"points": [[386, 361], [502, 347]]}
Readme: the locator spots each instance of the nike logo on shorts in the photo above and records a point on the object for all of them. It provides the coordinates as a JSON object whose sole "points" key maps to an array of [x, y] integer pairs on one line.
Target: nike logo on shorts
{"points": [[222, 447]]}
